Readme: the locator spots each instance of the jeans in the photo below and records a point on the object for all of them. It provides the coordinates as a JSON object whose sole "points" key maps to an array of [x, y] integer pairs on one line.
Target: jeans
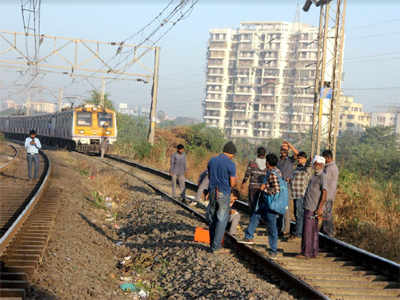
{"points": [[218, 215], [270, 218], [254, 195], [299, 215], [202, 186], [33, 160], [182, 185], [234, 222]]}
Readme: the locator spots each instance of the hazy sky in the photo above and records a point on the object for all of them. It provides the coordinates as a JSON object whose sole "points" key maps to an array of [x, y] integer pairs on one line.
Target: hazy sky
{"points": [[372, 48]]}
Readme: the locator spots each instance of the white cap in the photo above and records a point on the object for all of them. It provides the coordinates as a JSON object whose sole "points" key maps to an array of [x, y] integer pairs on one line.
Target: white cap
{"points": [[318, 159]]}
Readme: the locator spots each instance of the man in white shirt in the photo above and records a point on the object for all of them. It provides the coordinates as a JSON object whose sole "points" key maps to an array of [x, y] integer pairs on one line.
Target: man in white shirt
{"points": [[32, 146]]}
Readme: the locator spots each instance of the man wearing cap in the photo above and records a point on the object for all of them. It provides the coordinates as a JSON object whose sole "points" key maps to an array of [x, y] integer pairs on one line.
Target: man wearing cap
{"points": [[32, 146], [222, 176], [314, 201], [178, 170]]}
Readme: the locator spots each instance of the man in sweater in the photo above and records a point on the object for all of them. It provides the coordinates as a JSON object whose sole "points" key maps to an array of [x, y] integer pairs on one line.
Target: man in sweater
{"points": [[332, 175], [32, 146], [314, 202], [256, 171], [177, 171]]}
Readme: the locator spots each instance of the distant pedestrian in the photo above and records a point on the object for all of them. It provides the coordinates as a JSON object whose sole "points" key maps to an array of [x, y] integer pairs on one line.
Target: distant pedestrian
{"points": [[298, 186], [332, 175], [222, 176], [202, 186], [256, 171], [32, 146], [103, 146], [234, 216], [286, 165], [270, 187], [178, 170], [314, 202]]}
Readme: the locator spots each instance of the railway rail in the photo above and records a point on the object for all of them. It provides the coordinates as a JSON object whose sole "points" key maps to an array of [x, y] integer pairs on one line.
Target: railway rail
{"points": [[341, 271], [26, 218], [8, 154]]}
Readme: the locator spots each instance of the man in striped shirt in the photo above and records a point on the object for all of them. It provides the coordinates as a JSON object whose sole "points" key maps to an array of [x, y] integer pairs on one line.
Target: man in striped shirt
{"points": [[298, 186]]}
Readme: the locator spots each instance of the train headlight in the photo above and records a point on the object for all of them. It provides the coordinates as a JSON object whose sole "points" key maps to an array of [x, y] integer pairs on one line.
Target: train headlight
{"points": [[107, 132], [81, 131]]}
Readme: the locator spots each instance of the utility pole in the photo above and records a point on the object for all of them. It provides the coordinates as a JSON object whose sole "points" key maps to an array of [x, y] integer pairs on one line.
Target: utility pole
{"points": [[103, 90], [28, 103], [60, 98], [154, 94], [328, 73]]}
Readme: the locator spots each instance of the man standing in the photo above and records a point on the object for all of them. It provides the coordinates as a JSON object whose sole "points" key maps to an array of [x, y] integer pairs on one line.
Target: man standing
{"points": [[271, 187], [332, 174], [298, 186], [178, 170], [256, 170], [32, 146], [222, 176], [286, 166], [103, 146], [314, 202]]}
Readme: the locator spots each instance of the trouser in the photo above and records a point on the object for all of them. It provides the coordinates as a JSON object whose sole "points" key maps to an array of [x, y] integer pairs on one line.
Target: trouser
{"points": [[270, 219], [299, 215], [309, 241], [234, 220], [254, 194], [33, 160], [283, 221], [218, 216], [327, 219], [182, 185], [202, 186]]}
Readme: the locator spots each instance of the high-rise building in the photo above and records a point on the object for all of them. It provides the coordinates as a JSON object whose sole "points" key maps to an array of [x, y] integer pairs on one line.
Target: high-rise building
{"points": [[260, 79], [391, 119], [352, 117]]}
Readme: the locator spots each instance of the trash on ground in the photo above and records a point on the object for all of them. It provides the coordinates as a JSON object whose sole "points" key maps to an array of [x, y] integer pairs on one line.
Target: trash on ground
{"points": [[128, 287], [143, 294]]}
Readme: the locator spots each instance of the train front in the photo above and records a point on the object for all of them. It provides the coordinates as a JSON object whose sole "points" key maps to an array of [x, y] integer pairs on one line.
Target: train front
{"points": [[92, 123]]}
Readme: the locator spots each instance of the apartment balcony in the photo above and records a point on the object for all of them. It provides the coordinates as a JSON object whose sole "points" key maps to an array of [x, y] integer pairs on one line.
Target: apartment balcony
{"points": [[217, 45]]}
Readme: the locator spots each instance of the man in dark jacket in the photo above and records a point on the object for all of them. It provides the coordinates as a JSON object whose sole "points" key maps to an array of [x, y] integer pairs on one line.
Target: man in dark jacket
{"points": [[256, 171], [177, 171]]}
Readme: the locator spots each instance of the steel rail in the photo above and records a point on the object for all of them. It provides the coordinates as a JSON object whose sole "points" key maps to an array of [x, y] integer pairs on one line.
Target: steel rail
{"points": [[5, 165], [362, 257], [301, 286], [26, 209]]}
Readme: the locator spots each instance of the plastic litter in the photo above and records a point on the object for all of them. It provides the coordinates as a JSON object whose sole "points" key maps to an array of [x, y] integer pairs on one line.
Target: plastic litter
{"points": [[128, 287], [126, 278], [119, 243], [143, 294]]}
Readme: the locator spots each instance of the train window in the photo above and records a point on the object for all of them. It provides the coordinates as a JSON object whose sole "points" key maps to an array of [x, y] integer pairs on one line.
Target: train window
{"points": [[105, 119], [83, 118]]}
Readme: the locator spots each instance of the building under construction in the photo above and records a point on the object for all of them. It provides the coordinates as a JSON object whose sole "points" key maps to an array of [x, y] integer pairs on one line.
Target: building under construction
{"points": [[260, 79]]}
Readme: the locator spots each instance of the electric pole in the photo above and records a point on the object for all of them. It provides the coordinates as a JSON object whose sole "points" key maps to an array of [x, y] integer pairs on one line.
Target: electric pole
{"points": [[154, 94], [328, 73]]}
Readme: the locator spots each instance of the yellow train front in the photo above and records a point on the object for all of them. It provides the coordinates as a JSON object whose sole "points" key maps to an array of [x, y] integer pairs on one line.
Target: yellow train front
{"points": [[91, 123]]}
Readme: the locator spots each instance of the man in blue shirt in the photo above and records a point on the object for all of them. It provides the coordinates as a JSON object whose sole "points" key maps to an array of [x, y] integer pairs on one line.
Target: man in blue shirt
{"points": [[222, 176], [32, 146]]}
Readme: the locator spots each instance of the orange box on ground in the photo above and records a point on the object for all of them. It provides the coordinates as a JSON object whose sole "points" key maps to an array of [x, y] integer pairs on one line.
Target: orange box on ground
{"points": [[202, 235]]}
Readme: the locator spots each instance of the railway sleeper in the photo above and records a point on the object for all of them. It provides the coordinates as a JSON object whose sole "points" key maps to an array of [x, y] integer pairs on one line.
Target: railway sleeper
{"points": [[10, 293]]}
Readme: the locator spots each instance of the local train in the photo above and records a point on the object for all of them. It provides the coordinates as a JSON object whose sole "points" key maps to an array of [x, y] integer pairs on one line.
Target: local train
{"points": [[82, 125]]}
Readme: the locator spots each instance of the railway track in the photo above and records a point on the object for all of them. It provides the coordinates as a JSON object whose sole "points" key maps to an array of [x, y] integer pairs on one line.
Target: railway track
{"points": [[25, 220], [341, 271]]}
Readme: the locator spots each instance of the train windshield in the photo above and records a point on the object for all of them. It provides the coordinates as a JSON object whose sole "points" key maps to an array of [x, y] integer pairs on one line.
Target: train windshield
{"points": [[105, 119], [83, 118]]}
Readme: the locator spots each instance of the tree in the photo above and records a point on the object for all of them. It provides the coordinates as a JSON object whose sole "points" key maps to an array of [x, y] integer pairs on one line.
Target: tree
{"points": [[95, 98]]}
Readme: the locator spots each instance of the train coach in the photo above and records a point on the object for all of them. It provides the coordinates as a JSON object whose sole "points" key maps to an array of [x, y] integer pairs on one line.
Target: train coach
{"points": [[82, 125]]}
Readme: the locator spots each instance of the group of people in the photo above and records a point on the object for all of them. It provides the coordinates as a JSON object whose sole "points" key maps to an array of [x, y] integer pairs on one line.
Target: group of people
{"points": [[311, 186]]}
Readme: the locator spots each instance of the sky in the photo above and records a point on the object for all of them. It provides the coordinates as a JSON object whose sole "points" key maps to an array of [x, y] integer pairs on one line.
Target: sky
{"points": [[371, 58]]}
